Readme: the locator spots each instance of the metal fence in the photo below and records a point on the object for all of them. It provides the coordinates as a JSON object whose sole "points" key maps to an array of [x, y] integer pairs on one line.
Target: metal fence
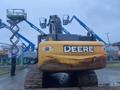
{"points": [[5, 56], [113, 53]]}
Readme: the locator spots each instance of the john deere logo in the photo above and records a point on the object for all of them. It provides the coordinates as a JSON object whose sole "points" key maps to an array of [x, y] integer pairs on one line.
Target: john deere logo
{"points": [[78, 49]]}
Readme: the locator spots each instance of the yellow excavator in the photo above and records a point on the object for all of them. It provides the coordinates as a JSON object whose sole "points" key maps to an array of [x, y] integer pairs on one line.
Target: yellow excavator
{"points": [[68, 55]]}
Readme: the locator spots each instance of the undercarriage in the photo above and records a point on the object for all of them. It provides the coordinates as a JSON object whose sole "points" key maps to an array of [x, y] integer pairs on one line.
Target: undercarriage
{"points": [[36, 79]]}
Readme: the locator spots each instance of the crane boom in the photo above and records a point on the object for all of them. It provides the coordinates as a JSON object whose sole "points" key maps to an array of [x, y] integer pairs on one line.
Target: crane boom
{"points": [[87, 28], [34, 27]]}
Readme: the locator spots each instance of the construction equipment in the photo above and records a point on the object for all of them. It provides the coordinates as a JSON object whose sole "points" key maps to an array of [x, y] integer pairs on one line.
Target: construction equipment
{"points": [[19, 15], [15, 49], [16, 16], [86, 28], [28, 47], [70, 55]]}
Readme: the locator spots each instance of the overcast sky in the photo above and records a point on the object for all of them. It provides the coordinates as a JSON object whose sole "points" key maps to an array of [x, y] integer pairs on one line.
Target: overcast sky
{"points": [[102, 16]]}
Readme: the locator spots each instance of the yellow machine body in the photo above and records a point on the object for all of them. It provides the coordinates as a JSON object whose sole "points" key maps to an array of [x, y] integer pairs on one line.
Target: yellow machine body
{"points": [[71, 55]]}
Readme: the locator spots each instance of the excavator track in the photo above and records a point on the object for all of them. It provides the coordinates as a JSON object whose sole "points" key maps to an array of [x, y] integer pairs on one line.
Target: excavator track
{"points": [[87, 79], [33, 78]]}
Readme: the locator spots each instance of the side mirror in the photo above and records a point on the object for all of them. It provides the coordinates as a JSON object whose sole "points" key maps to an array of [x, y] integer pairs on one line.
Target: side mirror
{"points": [[43, 23], [65, 20]]}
